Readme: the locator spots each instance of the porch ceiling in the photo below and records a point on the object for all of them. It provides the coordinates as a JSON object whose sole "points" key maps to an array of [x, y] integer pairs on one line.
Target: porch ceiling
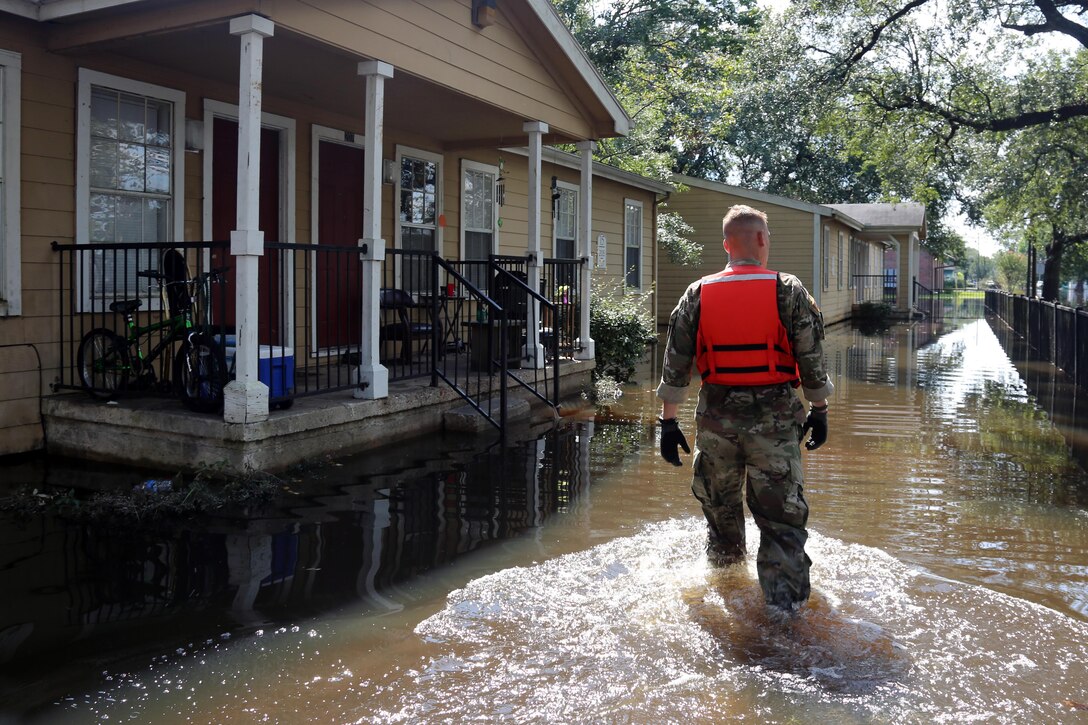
{"points": [[301, 71]]}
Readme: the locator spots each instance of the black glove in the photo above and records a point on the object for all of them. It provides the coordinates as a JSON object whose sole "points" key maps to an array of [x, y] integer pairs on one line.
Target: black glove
{"points": [[817, 423], [671, 437]]}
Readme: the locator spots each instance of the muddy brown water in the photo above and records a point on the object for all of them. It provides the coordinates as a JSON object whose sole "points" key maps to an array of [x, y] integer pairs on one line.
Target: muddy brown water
{"points": [[561, 579]]}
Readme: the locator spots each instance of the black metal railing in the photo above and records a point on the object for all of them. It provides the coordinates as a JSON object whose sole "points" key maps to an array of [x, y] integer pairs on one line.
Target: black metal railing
{"points": [[489, 329], [474, 342], [875, 288], [927, 302], [161, 283], [1051, 332], [562, 284], [434, 320]]}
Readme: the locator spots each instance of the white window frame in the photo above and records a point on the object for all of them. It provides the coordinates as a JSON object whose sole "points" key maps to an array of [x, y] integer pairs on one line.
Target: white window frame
{"points": [[88, 78], [467, 165], [641, 244], [318, 134], [841, 255], [826, 243], [11, 268], [398, 238], [575, 189]]}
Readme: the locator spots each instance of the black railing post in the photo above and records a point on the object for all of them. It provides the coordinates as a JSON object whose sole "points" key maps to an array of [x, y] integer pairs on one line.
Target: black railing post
{"points": [[437, 323]]}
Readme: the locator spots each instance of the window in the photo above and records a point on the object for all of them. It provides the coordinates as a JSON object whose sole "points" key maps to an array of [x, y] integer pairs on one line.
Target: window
{"points": [[479, 217], [827, 258], [418, 206], [840, 259], [10, 212], [129, 176], [565, 229], [632, 243]]}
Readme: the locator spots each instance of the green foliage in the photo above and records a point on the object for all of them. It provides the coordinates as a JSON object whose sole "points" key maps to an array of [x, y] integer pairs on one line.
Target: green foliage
{"points": [[672, 237], [1011, 269], [666, 61], [621, 328]]}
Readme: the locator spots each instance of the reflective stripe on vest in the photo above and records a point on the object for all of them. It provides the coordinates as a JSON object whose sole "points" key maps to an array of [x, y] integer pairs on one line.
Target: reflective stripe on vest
{"points": [[741, 340]]}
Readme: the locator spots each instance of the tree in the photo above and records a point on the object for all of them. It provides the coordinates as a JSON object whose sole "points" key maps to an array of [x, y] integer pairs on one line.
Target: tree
{"points": [[1011, 270], [944, 94], [666, 61], [1036, 191]]}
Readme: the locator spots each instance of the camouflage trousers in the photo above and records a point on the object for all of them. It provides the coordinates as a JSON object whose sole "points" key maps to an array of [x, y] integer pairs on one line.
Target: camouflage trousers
{"points": [[747, 445]]}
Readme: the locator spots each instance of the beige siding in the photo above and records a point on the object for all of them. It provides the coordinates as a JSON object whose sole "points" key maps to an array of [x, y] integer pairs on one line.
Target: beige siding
{"points": [[836, 297], [470, 61], [703, 209], [436, 40]]}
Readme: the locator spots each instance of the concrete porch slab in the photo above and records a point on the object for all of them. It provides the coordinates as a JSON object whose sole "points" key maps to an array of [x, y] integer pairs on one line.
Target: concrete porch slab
{"points": [[160, 433]]}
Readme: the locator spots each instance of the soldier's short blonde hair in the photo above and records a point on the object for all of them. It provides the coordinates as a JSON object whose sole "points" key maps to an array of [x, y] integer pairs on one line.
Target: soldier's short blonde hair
{"points": [[741, 216]]}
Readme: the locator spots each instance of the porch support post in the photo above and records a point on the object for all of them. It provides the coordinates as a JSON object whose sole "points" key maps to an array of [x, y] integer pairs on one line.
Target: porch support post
{"points": [[534, 351], [373, 377], [246, 397], [585, 236]]}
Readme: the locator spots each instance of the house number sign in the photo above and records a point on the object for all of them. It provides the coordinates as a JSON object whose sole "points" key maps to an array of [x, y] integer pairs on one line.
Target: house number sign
{"points": [[602, 251]]}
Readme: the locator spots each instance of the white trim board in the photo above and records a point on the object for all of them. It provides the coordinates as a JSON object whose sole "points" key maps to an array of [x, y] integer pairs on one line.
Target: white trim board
{"points": [[11, 285]]}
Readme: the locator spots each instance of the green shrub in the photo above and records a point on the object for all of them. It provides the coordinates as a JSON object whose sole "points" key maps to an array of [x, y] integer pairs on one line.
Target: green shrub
{"points": [[621, 328]]}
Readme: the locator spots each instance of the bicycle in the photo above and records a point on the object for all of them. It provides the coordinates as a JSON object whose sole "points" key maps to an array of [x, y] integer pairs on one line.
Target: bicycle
{"points": [[107, 361]]}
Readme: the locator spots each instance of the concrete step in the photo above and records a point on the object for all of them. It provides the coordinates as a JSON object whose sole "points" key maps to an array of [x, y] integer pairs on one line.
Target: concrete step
{"points": [[467, 419]]}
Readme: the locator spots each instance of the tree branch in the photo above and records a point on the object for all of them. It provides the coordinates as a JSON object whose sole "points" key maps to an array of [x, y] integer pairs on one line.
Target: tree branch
{"points": [[1015, 122], [842, 68], [1055, 23]]}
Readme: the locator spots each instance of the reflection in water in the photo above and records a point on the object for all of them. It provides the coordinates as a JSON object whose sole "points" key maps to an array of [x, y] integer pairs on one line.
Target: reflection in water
{"points": [[948, 533], [95, 590]]}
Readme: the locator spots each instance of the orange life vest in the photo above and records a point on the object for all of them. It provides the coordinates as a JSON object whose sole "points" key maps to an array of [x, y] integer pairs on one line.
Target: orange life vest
{"points": [[741, 340]]}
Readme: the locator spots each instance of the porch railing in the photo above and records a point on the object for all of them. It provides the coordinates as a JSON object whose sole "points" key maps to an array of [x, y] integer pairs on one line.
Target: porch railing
{"points": [[93, 277], [562, 284], [875, 288], [435, 320], [928, 302]]}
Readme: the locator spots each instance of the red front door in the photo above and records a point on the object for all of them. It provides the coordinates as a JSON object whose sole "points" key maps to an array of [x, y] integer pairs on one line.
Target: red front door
{"points": [[272, 306], [340, 223]]}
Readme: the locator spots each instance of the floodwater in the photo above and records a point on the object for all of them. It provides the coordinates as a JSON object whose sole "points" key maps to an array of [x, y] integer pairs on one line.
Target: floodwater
{"points": [[562, 579]]}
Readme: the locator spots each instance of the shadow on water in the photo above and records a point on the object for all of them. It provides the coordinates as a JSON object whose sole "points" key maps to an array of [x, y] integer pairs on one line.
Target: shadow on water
{"points": [[844, 655], [84, 595]]}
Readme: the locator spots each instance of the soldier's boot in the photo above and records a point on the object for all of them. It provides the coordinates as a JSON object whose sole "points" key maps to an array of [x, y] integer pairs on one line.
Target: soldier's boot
{"points": [[724, 550]]}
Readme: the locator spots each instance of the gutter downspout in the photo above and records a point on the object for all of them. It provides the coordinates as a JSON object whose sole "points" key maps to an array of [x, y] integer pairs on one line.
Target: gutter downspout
{"points": [[817, 283]]}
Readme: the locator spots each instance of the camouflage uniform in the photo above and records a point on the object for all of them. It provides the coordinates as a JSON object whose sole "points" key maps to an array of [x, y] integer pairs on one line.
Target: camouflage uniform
{"points": [[752, 433]]}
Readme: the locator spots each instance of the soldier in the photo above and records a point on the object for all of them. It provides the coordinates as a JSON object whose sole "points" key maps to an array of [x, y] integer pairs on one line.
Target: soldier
{"points": [[754, 335]]}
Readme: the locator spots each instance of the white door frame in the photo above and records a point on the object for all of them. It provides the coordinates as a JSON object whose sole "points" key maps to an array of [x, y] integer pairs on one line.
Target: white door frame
{"points": [[286, 127], [344, 138]]}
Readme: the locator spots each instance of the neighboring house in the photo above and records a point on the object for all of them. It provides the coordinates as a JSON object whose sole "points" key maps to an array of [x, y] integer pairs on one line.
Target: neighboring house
{"points": [[837, 250], [901, 228], [379, 125]]}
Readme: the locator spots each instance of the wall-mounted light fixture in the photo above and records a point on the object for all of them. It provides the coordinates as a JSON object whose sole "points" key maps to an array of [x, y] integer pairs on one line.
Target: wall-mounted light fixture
{"points": [[484, 13]]}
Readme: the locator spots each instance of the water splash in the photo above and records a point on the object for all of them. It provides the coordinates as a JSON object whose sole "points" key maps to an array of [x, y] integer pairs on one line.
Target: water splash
{"points": [[640, 629]]}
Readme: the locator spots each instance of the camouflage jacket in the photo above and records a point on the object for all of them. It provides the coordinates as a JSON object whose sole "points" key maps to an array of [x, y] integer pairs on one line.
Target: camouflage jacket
{"points": [[800, 316]]}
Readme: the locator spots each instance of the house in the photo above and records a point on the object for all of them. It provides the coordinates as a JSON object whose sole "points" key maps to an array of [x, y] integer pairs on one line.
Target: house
{"points": [[322, 154], [837, 255], [900, 227]]}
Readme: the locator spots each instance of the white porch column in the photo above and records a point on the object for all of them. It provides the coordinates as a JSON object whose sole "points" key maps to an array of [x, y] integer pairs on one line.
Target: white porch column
{"points": [[373, 376], [913, 262], [246, 397], [534, 351], [585, 237]]}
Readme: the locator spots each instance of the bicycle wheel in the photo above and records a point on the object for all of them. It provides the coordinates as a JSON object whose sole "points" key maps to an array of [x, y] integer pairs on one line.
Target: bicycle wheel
{"points": [[200, 374], [103, 363]]}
